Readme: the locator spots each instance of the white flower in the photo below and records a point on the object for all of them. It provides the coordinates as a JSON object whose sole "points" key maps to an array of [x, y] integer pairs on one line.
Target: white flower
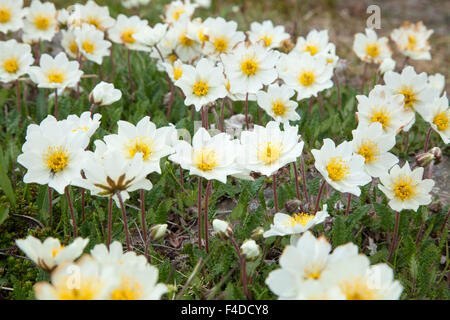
{"points": [[185, 40], [208, 157], [91, 43], [222, 227], [40, 22], [175, 70], [134, 3], [109, 173], [249, 67], [437, 81], [250, 250], [15, 59], [382, 107], [222, 36], [11, 13], [373, 144], [151, 36], [438, 115], [55, 73], [386, 65], [267, 149], [418, 95], [84, 124], [157, 231], [145, 139], [124, 30], [93, 14], [316, 43], [177, 10], [52, 155], [284, 224], [342, 169], [277, 104], [49, 254], [85, 280], [69, 43], [115, 256], [203, 3], [307, 74], [405, 189], [412, 40], [202, 84], [105, 94], [369, 48], [265, 32]]}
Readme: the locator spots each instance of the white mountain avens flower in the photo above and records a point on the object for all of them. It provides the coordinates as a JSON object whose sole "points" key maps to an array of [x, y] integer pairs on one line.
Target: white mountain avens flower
{"points": [[49, 254], [185, 39], [143, 138], [222, 36], [104, 94], [55, 73], [284, 224], [438, 116], [383, 107], [418, 95], [268, 34], [202, 84], [307, 74], [374, 145], [93, 14], [412, 40], [52, 155], [315, 43], [91, 43], [405, 188], [177, 10], [437, 81], [40, 22], [11, 14], [369, 48], [83, 124], [85, 280], [208, 157], [267, 149], [151, 36], [249, 67], [115, 256], [340, 167], [222, 227], [69, 43], [15, 59], [276, 102], [250, 250], [175, 70], [124, 30], [386, 65]]}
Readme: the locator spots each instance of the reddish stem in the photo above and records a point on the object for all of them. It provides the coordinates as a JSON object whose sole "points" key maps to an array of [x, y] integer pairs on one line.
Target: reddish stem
{"points": [[222, 111], [246, 111], [205, 221], [305, 189], [109, 220], [394, 240], [56, 104], [319, 196], [296, 180], [274, 186], [427, 140], [243, 266], [348, 204], [199, 212], [125, 223], [74, 221]]}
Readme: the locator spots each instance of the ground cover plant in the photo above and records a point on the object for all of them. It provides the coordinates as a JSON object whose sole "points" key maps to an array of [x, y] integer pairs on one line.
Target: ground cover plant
{"points": [[192, 150]]}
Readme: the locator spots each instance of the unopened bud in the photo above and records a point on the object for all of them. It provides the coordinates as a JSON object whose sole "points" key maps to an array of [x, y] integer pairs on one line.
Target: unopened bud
{"points": [[158, 231], [257, 233], [250, 250], [222, 228], [292, 206], [424, 159], [437, 152]]}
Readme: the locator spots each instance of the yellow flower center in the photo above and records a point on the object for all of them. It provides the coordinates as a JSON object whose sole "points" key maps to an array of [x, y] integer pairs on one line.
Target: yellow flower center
{"points": [[56, 158], [93, 21], [382, 116], [200, 88], [73, 47], [128, 290], [369, 151], [410, 97], [42, 21], [88, 47], [172, 58], [205, 159], [357, 289], [127, 35], [411, 43], [249, 66], [221, 44], [185, 41], [404, 188], [278, 108], [83, 128], [228, 85], [88, 290], [5, 15], [314, 271], [55, 76], [269, 152], [299, 218], [312, 49], [177, 13], [177, 73], [139, 144], [337, 169], [373, 50], [306, 78], [11, 65], [55, 251], [441, 121], [267, 40], [201, 36]]}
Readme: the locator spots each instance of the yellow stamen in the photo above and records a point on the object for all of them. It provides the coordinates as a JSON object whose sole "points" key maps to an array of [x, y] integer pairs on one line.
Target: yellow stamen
{"points": [[177, 13], [200, 88], [410, 97], [88, 47], [306, 78], [140, 144], [404, 188], [411, 43], [314, 271], [56, 251], [441, 121], [55, 76], [73, 47], [93, 21], [83, 128], [56, 159], [337, 169], [127, 35], [88, 290], [11, 65], [373, 50], [177, 73], [205, 159], [172, 58], [269, 152], [382, 116], [312, 49], [278, 108], [267, 40], [249, 67], [357, 289], [42, 21], [128, 290], [221, 44], [369, 151], [185, 41], [299, 218], [5, 15], [202, 37]]}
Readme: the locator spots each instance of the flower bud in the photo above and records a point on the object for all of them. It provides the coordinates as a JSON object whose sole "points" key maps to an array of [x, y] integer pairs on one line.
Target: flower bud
{"points": [[424, 159], [104, 94], [437, 152], [258, 233], [222, 227], [292, 206], [387, 65], [157, 231], [250, 250]]}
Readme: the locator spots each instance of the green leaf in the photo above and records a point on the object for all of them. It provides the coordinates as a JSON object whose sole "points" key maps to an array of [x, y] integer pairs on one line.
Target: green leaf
{"points": [[3, 213], [5, 183]]}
